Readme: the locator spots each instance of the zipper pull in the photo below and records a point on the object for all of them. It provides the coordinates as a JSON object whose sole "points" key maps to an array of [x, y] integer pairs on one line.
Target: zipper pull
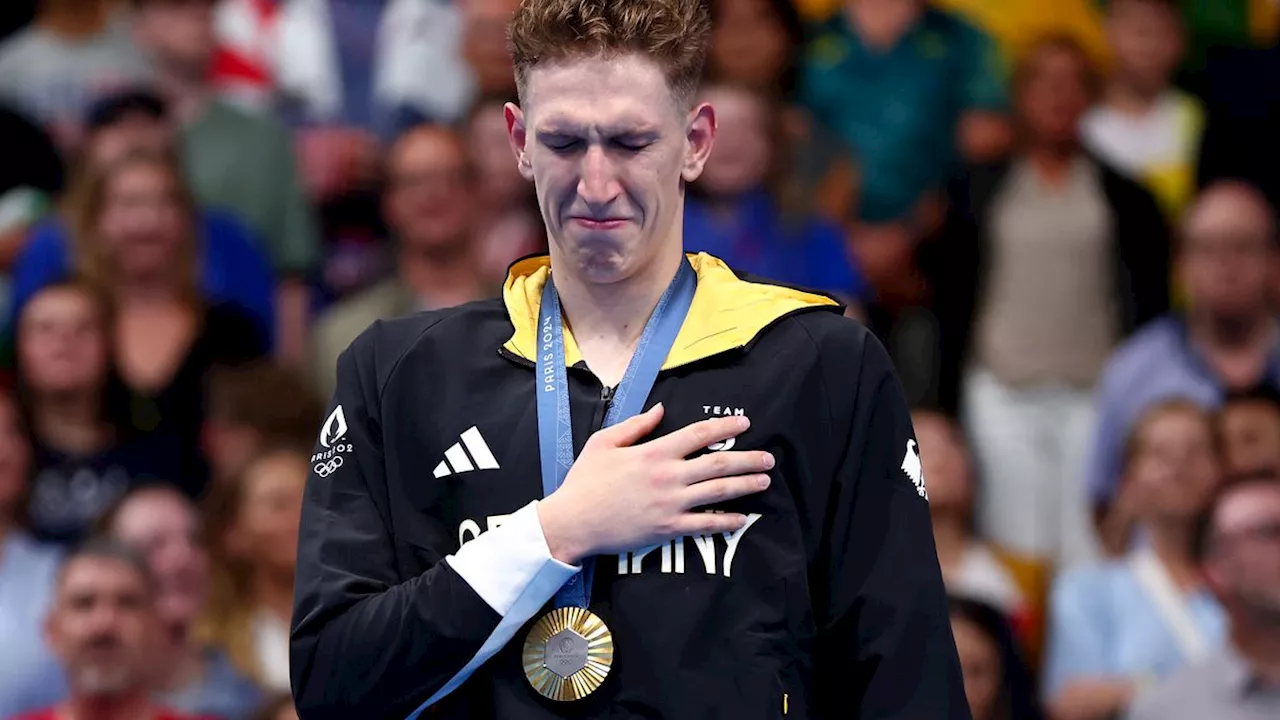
{"points": [[606, 395]]}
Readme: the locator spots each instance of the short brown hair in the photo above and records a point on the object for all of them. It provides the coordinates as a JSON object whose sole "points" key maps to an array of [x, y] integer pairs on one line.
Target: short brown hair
{"points": [[1169, 406], [673, 33]]}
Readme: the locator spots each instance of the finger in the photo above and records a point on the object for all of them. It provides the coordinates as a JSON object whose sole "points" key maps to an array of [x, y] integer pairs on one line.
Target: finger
{"points": [[725, 464], [706, 523], [696, 436], [721, 490], [629, 431]]}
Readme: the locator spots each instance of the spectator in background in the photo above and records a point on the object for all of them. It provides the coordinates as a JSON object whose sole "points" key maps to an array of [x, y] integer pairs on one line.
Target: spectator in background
{"points": [[744, 208], [85, 458], [133, 237], [253, 407], [233, 267], [1017, 25], [104, 628], [1053, 258], [1249, 425], [1226, 340], [484, 45], [970, 567], [1241, 557], [430, 206], [29, 676], [234, 160], [875, 76], [73, 51], [163, 525], [1115, 627], [997, 682], [1143, 125], [756, 44], [510, 225], [254, 523]]}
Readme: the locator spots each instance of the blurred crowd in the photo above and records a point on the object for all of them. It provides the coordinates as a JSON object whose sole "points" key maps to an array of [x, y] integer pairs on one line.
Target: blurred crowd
{"points": [[1058, 215]]}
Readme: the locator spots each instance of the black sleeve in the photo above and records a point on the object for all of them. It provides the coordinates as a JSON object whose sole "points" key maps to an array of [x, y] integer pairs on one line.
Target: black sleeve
{"points": [[366, 641], [1145, 253], [885, 648], [31, 159]]}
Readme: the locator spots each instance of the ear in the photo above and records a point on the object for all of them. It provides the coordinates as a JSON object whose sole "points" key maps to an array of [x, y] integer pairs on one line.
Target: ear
{"points": [[701, 138], [518, 137]]}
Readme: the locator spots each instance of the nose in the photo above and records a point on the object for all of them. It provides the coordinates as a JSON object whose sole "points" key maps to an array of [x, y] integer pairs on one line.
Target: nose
{"points": [[598, 185]]}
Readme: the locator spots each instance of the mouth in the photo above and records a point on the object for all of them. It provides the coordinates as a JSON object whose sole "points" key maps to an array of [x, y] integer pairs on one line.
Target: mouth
{"points": [[600, 223]]}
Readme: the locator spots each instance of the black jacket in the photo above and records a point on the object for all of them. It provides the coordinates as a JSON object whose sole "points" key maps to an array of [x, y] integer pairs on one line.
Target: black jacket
{"points": [[829, 604], [1140, 261]]}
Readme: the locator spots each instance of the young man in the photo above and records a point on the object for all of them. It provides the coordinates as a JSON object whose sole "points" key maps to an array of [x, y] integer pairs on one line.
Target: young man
{"points": [[689, 564]]}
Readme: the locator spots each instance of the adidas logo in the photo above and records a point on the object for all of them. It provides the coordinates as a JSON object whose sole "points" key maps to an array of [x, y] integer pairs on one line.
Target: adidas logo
{"points": [[456, 459]]}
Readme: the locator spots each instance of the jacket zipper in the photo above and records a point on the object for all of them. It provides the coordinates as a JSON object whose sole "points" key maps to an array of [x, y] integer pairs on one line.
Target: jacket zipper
{"points": [[606, 400]]}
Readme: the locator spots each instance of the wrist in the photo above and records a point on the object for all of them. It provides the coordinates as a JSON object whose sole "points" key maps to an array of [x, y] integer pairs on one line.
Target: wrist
{"points": [[558, 531]]}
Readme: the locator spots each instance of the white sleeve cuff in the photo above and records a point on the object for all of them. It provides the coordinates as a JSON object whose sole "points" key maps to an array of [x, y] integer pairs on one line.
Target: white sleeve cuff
{"points": [[511, 563]]}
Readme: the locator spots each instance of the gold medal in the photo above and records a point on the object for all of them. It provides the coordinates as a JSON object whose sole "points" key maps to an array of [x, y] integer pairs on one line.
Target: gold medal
{"points": [[568, 653]]}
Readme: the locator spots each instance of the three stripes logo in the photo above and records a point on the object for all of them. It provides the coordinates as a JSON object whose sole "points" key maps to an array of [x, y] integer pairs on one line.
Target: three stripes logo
{"points": [[470, 453]]}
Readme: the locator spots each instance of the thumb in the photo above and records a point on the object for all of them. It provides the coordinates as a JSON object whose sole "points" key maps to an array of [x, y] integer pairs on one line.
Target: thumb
{"points": [[633, 429]]}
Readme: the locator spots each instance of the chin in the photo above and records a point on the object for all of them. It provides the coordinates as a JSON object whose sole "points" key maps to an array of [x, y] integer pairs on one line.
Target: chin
{"points": [[603, 260]]}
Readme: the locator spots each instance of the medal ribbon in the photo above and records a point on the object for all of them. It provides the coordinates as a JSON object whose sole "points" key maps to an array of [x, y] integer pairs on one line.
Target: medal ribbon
{"points": [[555, 429]]}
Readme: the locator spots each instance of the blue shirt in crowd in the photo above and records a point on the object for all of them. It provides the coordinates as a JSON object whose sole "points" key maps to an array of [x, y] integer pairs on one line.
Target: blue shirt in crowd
{"points": [[30, 677], [752, 236], [233, 268], [1104, 624], [1158, 363]]}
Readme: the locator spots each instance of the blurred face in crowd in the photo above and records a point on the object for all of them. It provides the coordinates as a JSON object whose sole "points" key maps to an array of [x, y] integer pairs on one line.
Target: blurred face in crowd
{"points": [[15, 458], [1228, 258], [1053, 93], [142, 222], [498, 178], [62, 343], [1244, 561], [430, 192], [979, 662], [741, 159], [1174, 469], [609, 148], [485, 42], [946, 464], [166, 528], [1251, 437], [749, 43], [131, 134], [1147, 38], [179, 35], [102, 626], [265, 531]]}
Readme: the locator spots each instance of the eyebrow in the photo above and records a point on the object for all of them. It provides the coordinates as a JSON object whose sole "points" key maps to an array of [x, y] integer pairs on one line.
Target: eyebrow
{"points": [[561, 127]]}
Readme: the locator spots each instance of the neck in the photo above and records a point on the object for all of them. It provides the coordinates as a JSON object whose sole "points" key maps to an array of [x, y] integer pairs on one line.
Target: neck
{"points": [[74, 20], [1130, 98], [71, 422], [1243, 332], [607, 320], [183, 661], [1171, 542], [130, 706], [1259, 644], [145, 290], [442, 279], [272, 591], [186, 94], [881, 25], [1051, 160]]}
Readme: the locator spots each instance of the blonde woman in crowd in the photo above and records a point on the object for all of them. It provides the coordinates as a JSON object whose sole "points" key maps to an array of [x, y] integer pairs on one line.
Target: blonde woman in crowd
{"points": [[254, 521], [190, 675], [1117, 627], [134, 236], [29, 676]]}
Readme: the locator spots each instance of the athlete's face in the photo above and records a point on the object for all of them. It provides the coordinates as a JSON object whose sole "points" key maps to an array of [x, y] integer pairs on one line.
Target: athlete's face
{"points": [[609, 149]]}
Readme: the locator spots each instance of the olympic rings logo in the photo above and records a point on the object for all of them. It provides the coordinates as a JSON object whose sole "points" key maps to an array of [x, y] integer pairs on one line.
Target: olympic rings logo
{"points": [[325, 469]]}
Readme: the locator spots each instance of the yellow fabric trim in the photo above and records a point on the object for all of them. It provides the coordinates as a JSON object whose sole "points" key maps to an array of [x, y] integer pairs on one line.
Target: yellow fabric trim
{"points": [[726, 313]]}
